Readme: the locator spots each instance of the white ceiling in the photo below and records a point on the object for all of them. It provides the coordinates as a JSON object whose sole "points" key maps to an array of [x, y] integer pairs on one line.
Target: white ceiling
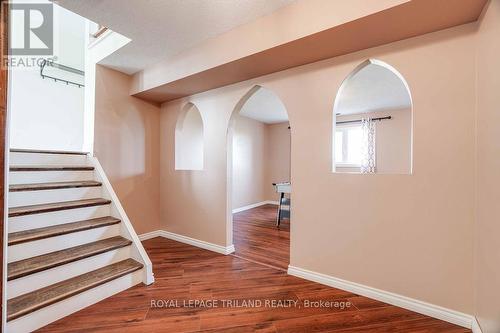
{"points": [[265, 106], [373, 88], [162, 28]]}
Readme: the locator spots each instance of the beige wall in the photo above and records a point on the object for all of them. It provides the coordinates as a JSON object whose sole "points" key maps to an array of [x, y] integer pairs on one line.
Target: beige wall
{"points": [[393, 141], [249, 161], [127, 145], [189, 140], [277, 158], [193, 203], [487, 255], [261, 156], [408, 234]]}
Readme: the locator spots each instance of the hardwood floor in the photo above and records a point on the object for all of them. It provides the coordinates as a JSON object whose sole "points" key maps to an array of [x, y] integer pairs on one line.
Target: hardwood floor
{"points": [[56, 206], [53, 185], [256, 237], [18, 269], [38, 299], [60, 229], [184, 273]]}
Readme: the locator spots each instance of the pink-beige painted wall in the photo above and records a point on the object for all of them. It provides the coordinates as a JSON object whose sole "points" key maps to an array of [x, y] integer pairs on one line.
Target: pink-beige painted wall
{"points": [[487, 254], [261, 156], [277, 158], [189, 140], [127, 135], [249, 161], [393, 141], [407, 234], [193, 203]]}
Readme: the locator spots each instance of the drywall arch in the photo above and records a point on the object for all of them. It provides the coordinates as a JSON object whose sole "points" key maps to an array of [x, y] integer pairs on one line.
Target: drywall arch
{"points": [[374, 89], [189, 139], [249, 98]]}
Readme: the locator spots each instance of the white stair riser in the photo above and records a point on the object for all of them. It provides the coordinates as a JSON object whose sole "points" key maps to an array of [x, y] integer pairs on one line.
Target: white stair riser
{"points": [[47, 245], [34, 221], [45, 278], [28, 177], [26, 198], [33, 282], [64, 308], [50, 159]]}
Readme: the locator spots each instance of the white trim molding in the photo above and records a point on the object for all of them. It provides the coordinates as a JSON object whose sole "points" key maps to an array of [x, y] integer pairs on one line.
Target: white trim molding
{"points": [[95, 51], [258, 204], [431, 310], [188, 240], [476, 328], [127, 230], [149, 235]]}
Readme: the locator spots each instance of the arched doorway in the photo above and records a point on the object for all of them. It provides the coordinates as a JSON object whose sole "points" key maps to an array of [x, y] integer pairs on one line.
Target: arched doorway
{"points": [[258, 155]]}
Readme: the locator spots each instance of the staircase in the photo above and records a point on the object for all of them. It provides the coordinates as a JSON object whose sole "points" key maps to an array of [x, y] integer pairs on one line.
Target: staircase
{"points": [[70, 243]]}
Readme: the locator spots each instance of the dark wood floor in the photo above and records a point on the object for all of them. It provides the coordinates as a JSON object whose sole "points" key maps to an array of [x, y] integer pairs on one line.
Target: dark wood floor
{"points": [[185, 273], [256, 237]]}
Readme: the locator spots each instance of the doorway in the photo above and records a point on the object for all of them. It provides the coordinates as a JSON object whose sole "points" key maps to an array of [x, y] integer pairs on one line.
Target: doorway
{"points": [[259, 156]]}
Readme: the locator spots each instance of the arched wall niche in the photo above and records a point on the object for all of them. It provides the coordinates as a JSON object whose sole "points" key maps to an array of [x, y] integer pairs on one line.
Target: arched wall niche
{"points": [[189, 139], [373, 122]]}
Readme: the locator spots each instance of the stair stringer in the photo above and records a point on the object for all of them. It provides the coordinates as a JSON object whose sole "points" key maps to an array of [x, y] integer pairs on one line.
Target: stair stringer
{"points": [[126, 228]]}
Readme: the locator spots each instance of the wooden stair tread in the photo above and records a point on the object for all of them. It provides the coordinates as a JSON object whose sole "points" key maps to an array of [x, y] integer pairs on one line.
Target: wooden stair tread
{"points": [[41, 151], [56, 206], [53, 185], [60, 229], [42, 262], [51, 168], [30, 302]]}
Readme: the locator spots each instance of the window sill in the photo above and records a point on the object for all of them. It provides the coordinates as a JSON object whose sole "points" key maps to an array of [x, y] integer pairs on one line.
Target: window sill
{"points": [[348, 166]]}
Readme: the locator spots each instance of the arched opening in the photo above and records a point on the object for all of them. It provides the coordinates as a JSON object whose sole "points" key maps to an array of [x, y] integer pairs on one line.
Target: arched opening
{"points": [[258, 157], [189, 139], [372, 127]]}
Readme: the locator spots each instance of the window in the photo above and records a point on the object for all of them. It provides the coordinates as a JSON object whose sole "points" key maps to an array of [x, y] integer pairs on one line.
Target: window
{"points": [[348, 145]]}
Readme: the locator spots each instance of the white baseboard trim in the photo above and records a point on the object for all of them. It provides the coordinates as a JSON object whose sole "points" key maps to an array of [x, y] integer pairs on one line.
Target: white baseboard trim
{"points": [[431, 310], [475, 326], [188, 240], [149, 235], [262, 203]]}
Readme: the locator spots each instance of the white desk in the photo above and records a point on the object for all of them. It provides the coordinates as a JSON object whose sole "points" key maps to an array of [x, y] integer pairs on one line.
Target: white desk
{"points": [[283, 187]]}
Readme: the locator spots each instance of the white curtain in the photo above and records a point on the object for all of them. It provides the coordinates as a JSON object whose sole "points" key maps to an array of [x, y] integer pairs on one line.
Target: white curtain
{"points": [[368, 157]]}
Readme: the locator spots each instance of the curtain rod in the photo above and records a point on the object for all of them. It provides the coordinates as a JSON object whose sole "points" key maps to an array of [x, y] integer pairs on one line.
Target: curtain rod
{"points": [[358, 121]]}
